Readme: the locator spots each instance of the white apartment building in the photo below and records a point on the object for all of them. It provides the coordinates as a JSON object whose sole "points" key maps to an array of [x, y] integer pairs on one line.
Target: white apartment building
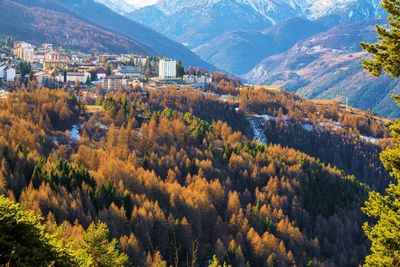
{"points": [[81, 77], [167, 69], [10, 74], [2, 72]]}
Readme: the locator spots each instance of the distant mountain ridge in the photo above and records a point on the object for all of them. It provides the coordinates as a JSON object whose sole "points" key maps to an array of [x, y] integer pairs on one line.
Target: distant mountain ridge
{"points": [[328, 66], [182, 22], [239, 51], [231, 33]]}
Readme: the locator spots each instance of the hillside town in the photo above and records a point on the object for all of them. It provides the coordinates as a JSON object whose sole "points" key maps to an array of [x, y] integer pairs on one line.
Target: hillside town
{"points": [[55, 67]]}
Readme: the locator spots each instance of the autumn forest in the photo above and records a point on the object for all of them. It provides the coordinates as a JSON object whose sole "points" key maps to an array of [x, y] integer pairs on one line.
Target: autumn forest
{"points": [[173, 177]]}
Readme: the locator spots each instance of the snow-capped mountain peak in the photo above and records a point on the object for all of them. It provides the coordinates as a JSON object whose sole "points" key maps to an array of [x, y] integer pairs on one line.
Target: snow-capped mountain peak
{"points": [[119, 6], [273, 10], [173, 6]]}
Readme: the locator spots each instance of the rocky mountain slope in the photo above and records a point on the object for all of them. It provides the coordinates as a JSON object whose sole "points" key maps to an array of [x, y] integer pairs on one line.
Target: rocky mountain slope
{"points": [[181, 22], [239, 51]]}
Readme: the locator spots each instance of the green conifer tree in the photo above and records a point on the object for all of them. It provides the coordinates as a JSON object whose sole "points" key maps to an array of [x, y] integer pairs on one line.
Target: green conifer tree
{"points": [[98, 251], [386, 53], [385, 233], [180, 69], [24, 241]]}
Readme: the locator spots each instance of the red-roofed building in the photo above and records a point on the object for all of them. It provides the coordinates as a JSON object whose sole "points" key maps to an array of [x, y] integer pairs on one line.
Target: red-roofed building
{"points": [[101, 73]]}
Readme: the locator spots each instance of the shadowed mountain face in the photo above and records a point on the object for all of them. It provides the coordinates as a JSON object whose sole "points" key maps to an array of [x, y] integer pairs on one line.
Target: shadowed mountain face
{"points": [[88, 12], [239, 51], [197, 24]]}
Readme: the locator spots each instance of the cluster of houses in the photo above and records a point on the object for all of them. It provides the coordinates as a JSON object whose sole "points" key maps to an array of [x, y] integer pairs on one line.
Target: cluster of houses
{"points": [[57, 65]]}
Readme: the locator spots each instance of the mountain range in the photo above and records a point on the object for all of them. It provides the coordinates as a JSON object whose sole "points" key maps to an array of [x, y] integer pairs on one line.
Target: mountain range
{"points": [[328, 66], [239, 51], [236, 35], [181, 21]]}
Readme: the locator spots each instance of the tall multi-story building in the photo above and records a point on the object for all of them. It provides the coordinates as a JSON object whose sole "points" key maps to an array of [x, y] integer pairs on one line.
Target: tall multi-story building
{"points": [[56, 60], [3, 72], [167, 69], [24, 51], [10, 74], [115, 83]]}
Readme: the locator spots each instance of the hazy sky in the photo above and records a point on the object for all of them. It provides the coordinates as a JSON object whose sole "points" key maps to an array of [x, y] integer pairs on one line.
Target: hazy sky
{"points": [[141, 3]]}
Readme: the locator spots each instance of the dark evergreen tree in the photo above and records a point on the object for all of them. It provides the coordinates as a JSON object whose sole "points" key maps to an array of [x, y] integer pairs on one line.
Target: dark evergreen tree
{"points": [[180, 69]]}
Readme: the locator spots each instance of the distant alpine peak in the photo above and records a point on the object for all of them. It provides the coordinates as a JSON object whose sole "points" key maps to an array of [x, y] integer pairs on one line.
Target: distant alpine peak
{"points": [[319, 8], [172, 6], [119, 6]]}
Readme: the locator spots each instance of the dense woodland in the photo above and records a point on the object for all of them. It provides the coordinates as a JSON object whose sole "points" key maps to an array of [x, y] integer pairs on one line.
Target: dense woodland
{"points": [[296, 109], [327, 132], [173, 183]]}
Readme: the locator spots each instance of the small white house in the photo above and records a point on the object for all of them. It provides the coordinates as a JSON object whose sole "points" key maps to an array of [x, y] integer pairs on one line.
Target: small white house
{"points": [[101, 73], [189, 79]]}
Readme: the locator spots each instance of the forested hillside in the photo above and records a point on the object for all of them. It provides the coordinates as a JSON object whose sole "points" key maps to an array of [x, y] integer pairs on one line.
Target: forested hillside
{"points": [[336, 134], [63, 29], [174, 183]]}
